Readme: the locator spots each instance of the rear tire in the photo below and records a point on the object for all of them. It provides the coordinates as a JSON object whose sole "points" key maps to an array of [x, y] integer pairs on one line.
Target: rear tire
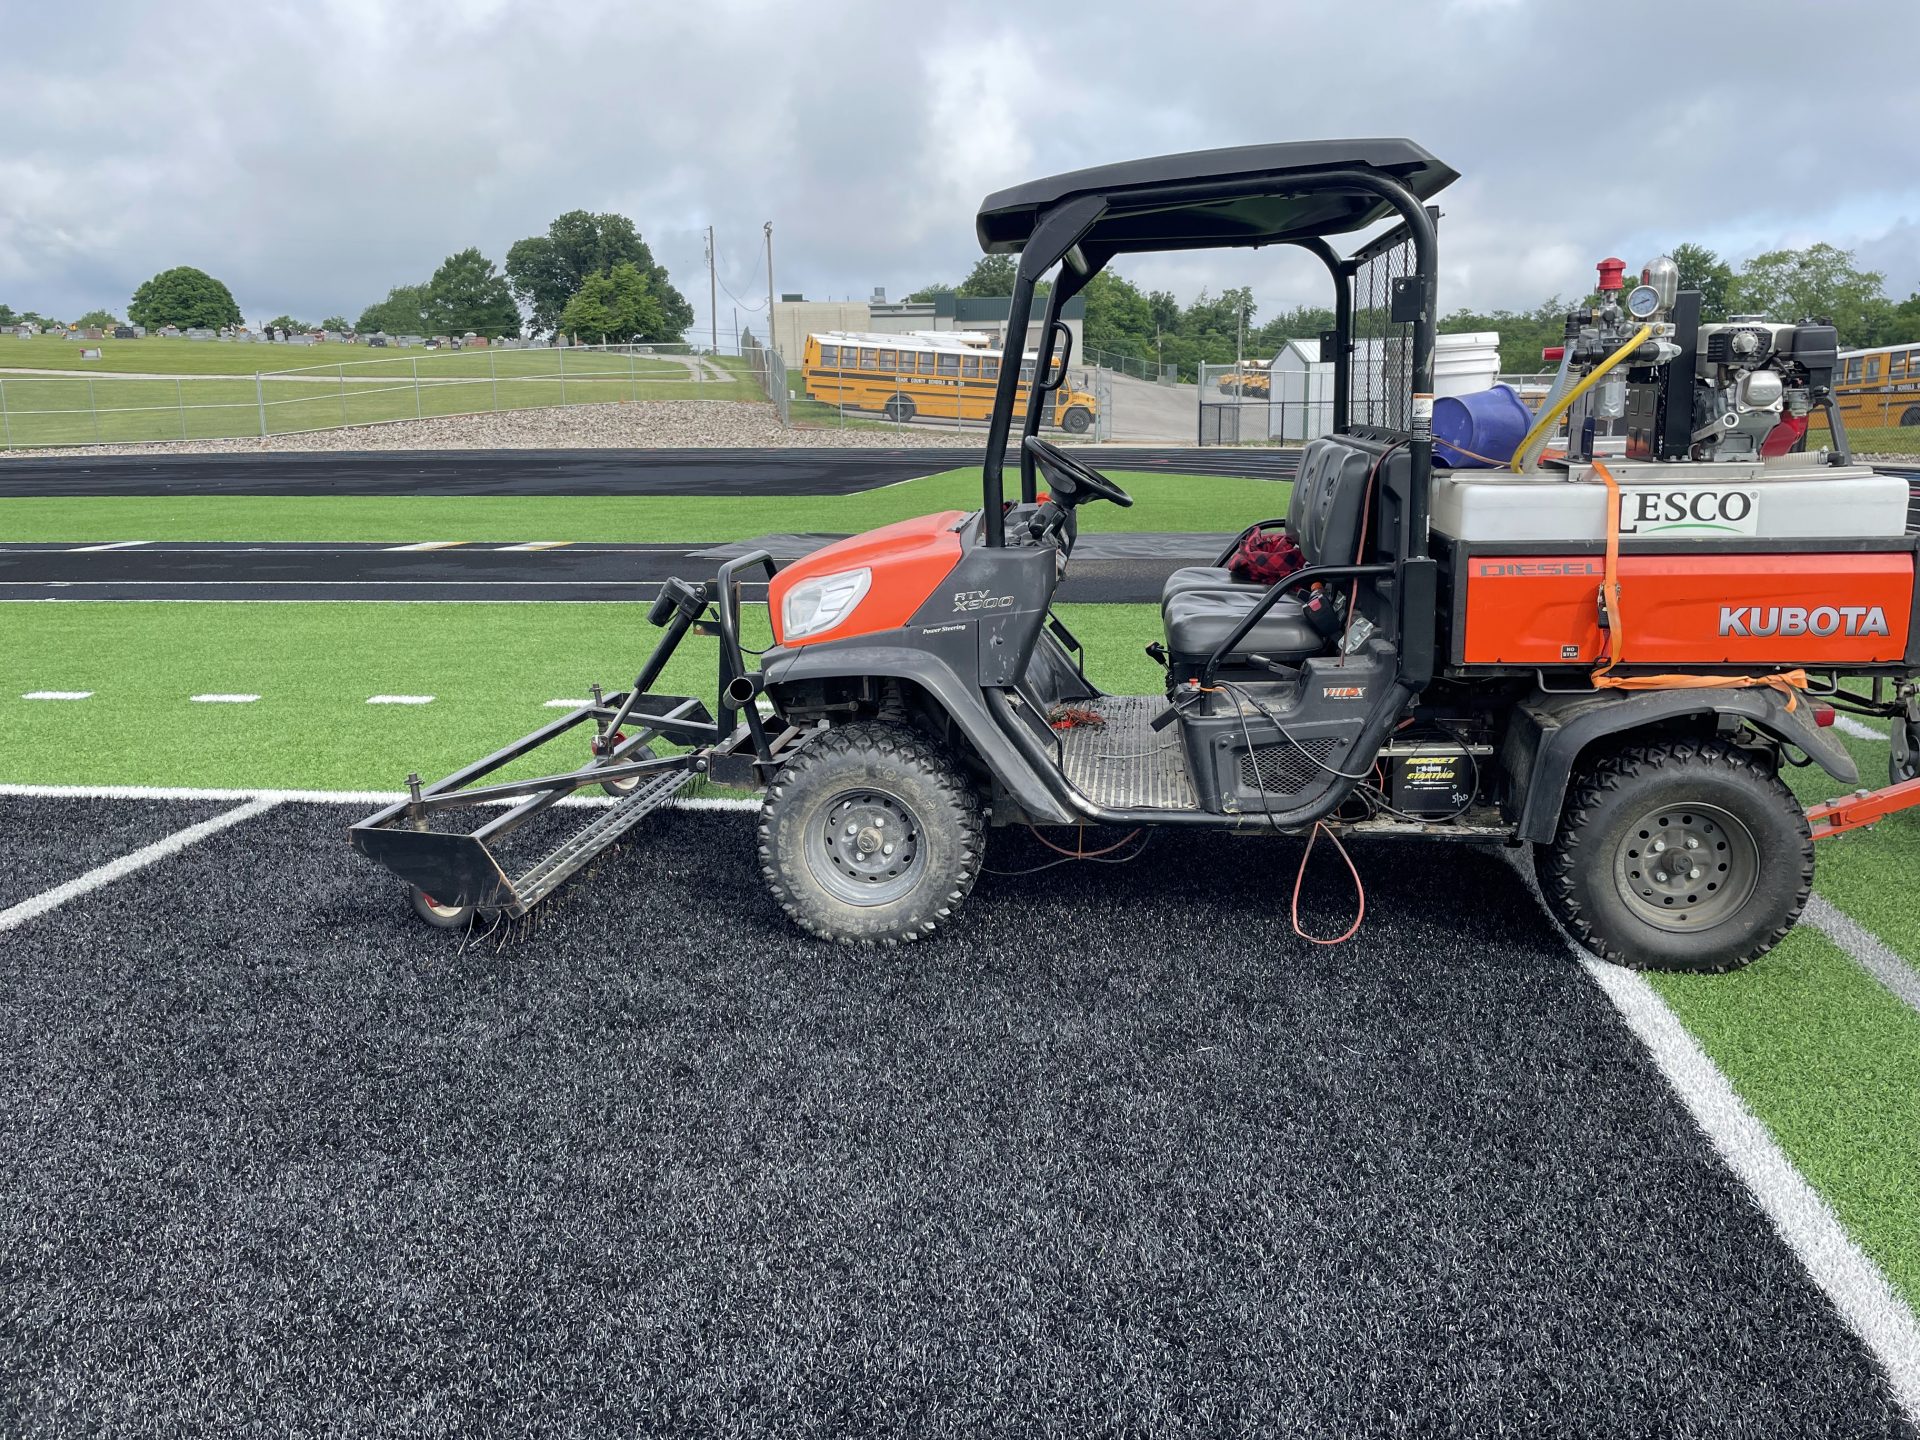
{"points": [[871, 834], [620, 789], [899, 409], [1910, 417], [1678, 855], [1076, 421]]}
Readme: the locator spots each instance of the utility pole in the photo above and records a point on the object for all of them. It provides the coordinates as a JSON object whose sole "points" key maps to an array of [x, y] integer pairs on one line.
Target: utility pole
{"points": [[770, 337], [713, 293]]}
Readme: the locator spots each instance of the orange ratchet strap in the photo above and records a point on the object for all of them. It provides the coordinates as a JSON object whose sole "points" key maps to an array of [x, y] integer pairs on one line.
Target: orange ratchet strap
{"points": [[1613, 621]]}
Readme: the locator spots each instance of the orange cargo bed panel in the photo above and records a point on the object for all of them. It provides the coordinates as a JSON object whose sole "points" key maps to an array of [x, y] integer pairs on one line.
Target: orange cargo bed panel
{"points": [[1768, 609]]}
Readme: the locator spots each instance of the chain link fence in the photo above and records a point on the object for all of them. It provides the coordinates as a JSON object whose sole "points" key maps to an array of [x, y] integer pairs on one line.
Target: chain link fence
{"points": [[1249, 404], [108, 408]]}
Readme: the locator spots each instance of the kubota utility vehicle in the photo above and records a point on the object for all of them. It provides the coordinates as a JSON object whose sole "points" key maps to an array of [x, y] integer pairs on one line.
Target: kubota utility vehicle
{"points": [[1605, 656]]}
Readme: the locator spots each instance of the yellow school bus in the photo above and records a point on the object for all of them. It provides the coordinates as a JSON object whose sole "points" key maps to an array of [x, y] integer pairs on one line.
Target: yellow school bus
{"points": [[1249, 380], [1877, 389], [946, 375]]}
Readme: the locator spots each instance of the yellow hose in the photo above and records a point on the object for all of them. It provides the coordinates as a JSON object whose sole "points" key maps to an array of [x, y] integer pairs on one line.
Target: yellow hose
{"points": [[1549, 418]]}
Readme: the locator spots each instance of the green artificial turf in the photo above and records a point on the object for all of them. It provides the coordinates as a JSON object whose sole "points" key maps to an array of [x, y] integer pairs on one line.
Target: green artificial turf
{"points": [[1830, 1062], [1205, 503], [490, 669]]}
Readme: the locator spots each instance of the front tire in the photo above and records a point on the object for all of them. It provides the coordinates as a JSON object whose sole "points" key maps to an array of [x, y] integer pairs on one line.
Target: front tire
{"points": [[1679, 855], [1076, 421], [441, 916], [872, 835]]}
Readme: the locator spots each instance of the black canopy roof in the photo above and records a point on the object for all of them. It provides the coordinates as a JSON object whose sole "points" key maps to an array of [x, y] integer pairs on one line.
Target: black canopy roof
{"points": [[1246, 195]]}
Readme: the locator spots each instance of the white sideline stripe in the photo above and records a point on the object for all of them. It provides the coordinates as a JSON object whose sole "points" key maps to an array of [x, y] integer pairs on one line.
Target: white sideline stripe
{"points": [[536, 545], [308, 797], [565, 704], [223, 699], [1864, 948], [1800, 1217], [26, 910], [429, 545], [1847, 725], [57, 695], [399, 699], [111, 545], [1871, 1307]]}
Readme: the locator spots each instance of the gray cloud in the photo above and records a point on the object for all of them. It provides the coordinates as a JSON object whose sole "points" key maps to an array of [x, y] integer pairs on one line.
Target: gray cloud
{"points": [[313, 156]]}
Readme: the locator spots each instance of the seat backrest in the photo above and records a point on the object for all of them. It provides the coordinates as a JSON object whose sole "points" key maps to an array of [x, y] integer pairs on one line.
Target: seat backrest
{"points": [[1328, 496]]}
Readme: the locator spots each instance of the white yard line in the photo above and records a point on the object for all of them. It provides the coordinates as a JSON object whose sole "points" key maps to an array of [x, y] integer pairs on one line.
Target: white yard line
{"points": [[536, 545], [428, 545], [565, 704], [399, 699], [1847, 725], [1799, 1216], [307, 797], [40, 904], [223, 699], [113, 545], [1804, 1222], [57, 695], [1864, 948]]}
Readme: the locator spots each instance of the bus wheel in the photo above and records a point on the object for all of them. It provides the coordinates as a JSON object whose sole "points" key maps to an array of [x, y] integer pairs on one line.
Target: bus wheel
{"points": [[899, 409], [1911, 416], [1076, 421]]}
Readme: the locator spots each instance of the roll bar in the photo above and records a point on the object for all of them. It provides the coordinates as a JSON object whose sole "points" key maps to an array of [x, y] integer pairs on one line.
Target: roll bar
{"points": [[1056, 238]]}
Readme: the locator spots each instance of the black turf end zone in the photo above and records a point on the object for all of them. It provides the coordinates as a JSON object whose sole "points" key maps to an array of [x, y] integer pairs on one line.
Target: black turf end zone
{"points": [[1118, 1155], [46, 841]]}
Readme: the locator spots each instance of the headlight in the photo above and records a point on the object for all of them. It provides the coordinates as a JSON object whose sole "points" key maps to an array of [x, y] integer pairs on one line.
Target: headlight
{"points": [[816, 605]]}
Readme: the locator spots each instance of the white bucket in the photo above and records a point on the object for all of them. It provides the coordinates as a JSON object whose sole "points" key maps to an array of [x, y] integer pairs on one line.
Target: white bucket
{"points": [[1463, 364]]}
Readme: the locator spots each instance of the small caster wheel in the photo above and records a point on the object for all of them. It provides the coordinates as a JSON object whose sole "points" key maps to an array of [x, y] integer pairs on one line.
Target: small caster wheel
{"points": [[441, 917], [620, 789]]}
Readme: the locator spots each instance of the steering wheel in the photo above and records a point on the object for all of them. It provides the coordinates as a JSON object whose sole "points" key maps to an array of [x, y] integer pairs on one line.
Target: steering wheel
{"points": [[1073, 482]]}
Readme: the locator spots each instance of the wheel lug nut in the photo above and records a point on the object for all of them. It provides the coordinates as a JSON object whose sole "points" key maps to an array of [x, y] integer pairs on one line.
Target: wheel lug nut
{"points": [[1659, 846], [886, 849], [1693, 842], [879, 820], [1693, 874]]}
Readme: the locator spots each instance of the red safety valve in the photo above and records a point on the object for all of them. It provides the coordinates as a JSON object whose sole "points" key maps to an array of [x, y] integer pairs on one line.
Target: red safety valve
{"points": [[1611, 269]]}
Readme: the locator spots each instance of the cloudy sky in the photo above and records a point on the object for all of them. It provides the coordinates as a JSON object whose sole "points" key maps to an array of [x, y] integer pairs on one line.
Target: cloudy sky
{"points": [[314, 154]]}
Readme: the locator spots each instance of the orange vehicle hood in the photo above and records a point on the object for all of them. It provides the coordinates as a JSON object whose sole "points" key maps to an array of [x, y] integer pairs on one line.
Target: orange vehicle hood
{"points": [[908, 560]]}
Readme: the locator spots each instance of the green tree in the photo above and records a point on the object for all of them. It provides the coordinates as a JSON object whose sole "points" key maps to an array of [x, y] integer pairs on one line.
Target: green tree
{"points": [[8, 317], [1820, 280], [548, 270], [1702, 270], [615, 307], [1119, 320], [336, 323], [183, 296], [468, 293], [288, 324], [403, 312], [991, 278], [97, 319], [1523, 333]]}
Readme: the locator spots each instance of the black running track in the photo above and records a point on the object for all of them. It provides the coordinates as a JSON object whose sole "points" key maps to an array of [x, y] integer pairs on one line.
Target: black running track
{"points": [[1106, 569], [799, 471], [1115, 1155]]}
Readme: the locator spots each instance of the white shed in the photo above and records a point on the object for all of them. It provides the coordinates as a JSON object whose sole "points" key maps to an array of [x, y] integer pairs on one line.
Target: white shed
{"points": [[1301, 394]]}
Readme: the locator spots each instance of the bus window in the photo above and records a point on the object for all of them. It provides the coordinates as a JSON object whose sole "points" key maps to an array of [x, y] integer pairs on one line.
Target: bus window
{"points": [[949, 364], [829, 354], [926, 362], [1026, 372], [889, 361], [990, 367], [1853, 370], [868, 360], [1873, 367], [970, 367]]}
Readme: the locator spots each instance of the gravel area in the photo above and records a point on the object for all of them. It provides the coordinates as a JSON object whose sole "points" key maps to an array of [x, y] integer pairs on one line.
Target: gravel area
{"points": [[649, 425]]}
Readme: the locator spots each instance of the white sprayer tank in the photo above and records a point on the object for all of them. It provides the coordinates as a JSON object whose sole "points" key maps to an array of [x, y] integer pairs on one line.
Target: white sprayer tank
{"points": [[1463, 364]]}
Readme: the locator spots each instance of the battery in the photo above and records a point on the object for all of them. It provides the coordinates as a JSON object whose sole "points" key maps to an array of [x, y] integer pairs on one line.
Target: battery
{"points": [[1431, 778]]}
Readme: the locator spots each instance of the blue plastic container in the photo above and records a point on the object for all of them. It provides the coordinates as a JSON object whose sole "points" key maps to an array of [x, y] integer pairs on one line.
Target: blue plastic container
{"points": [[1479, 431]]}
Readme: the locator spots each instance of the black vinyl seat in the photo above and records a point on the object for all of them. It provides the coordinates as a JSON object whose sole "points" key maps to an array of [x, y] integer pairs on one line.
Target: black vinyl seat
{"points": [[1201, 604]]}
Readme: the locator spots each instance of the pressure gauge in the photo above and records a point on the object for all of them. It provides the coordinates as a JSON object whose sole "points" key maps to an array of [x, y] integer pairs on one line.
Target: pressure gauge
{"points": [[1643, 302]]}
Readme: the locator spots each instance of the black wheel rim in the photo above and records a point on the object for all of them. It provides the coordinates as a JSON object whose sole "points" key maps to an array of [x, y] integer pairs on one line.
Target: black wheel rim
{"points": [[1686, 868], [867, 848]]}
